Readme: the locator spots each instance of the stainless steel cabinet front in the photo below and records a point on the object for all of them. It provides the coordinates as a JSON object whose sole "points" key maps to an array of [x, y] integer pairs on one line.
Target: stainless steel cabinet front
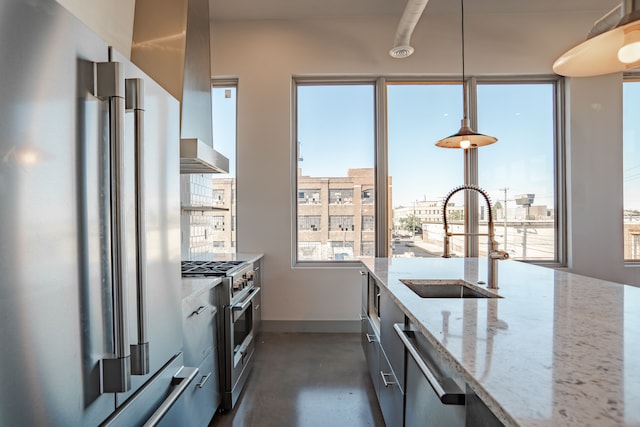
{"points": [[199, 327], [390, 397], [203, 396]]}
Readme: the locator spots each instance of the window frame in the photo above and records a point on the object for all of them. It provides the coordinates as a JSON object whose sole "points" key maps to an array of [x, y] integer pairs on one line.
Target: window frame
{"points": [[383, 208], [628, 77]]}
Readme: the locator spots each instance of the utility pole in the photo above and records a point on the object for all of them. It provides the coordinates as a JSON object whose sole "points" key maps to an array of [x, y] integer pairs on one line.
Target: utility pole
{"points": [[504, 214]]}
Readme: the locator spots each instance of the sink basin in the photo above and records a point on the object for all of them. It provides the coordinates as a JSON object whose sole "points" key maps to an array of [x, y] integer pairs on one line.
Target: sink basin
{"points": [[446, 289]]}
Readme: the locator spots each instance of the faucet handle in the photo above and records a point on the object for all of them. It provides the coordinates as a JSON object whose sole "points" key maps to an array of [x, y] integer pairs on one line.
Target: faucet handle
{"points": [[499, 255]]}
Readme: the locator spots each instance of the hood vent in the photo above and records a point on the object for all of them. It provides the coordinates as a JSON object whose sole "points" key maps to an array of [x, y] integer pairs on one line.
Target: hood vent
{"points": [[171, 45]]}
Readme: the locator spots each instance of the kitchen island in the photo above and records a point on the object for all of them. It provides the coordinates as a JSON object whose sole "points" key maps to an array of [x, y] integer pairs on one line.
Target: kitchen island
{"points": [[557, 349]]}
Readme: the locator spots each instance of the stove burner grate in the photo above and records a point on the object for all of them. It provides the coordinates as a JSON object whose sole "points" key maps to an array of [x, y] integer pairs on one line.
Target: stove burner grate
{"points": [[208, 268]]}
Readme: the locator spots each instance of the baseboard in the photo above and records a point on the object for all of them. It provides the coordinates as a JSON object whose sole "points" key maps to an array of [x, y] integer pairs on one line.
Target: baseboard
{"points": [[326, 326]]}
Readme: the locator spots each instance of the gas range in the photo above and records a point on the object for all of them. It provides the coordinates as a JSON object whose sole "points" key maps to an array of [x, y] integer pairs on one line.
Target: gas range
{"points": [[237, 276], [210, 268]]}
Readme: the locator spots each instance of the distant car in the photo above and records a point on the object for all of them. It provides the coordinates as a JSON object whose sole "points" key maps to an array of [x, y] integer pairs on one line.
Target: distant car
{"points": [[409, 243]]}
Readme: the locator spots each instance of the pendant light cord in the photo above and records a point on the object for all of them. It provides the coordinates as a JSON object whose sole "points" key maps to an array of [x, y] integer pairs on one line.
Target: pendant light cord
{"points": [[464, 82]]}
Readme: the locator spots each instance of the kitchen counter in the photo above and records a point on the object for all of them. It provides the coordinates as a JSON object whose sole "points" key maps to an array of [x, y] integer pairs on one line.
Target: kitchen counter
{"points": [[195, 285], [248, 257], [558, 349]]}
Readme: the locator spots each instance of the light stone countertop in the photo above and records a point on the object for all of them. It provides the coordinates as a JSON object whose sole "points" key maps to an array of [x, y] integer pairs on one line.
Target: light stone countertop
{"points": [[242, 256], [196, 285], [558, 349]]}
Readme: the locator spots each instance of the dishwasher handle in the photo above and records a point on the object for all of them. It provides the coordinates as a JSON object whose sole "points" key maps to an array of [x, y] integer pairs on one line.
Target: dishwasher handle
{"points": [[449, 394]]}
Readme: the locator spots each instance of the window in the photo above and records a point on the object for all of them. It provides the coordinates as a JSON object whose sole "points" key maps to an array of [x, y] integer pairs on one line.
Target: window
{"points": [[224, 103], [422, 174], [631, 169], [341, 196], [341, 223], [368, 223], [335, 161], [518, 171], [336, 146], [309, 222]]}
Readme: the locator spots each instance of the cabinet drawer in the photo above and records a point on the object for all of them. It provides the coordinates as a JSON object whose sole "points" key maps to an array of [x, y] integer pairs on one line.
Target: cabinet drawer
{"points": [[391, 314], [391, 397], [199, 329], [203, 397]]}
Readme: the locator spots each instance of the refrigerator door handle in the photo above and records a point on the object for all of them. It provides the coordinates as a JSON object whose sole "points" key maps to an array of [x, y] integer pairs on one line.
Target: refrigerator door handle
{"points": [[117, 368], [134, 101]]}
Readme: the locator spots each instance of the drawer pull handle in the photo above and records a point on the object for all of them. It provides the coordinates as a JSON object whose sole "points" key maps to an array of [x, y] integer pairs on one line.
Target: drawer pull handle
{"points": [[199, 310], [449, 394], [204, 379], [363, 273], [257, 307], [363, 317], [370, 339], [384, 379]]}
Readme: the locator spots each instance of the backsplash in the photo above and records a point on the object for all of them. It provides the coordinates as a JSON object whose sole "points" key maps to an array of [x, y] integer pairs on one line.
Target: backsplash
{"points": [[207, 219], [196, 225]]}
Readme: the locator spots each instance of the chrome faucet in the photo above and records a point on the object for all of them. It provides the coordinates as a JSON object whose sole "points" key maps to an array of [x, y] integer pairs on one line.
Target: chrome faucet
{"points": [[494, 254]]}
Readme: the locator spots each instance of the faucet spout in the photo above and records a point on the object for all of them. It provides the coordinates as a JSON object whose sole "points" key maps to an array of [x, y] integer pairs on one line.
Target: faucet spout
{"points": [[493, 254]]}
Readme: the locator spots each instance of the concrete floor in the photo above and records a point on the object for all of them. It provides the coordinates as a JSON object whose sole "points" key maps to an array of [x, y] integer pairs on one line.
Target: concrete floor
{"points": [[306, 380]]}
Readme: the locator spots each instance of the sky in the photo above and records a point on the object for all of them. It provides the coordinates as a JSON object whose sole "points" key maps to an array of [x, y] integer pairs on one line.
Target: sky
{"points": [[336, 132]]}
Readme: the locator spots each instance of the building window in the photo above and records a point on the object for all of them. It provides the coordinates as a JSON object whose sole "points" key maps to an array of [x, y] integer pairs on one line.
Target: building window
{"points": [[341, 196], [631, 169], [218, 197], [310, 251], [335, 143], [309, 222], [367, 249], [341, 223], [367, 196], [218, 244], [309, 197], [368, 223], [217, 222]]}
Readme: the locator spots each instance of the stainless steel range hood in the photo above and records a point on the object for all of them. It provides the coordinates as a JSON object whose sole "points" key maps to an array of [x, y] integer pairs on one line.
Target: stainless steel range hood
{"points": [[171, 44]]}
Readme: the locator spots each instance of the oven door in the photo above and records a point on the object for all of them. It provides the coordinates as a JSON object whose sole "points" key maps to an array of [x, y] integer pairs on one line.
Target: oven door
{"points": [[239, 345]]}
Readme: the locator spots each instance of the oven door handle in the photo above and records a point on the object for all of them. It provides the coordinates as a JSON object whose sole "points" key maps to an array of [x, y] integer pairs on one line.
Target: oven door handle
{"points": [[243, 306]]}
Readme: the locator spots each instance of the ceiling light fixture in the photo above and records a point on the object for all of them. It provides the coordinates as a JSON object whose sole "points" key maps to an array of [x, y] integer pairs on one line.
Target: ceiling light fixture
{"points": [[466, 137], [612, 51]]}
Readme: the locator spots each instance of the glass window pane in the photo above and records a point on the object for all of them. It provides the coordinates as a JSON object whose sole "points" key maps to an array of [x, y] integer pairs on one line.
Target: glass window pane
{"points": [[631, 170], [335, 180], [224, 185], [421, 174], [518, 171]]}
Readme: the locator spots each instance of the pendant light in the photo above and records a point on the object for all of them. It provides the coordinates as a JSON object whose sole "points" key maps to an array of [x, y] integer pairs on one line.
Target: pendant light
{"points": [[612, 51], [466, 137]]}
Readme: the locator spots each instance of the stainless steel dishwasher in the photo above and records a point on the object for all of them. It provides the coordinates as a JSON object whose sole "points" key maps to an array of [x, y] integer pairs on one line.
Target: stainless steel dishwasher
{"points": [[434, 394]]}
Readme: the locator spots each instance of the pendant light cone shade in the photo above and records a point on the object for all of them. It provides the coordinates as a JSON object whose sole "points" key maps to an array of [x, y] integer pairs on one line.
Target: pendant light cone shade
{"points": [[466, 138], [610, 52]]}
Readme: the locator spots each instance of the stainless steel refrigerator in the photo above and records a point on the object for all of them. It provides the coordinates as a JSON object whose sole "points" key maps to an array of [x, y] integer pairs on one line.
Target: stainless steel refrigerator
{"points": [[90, 323]]}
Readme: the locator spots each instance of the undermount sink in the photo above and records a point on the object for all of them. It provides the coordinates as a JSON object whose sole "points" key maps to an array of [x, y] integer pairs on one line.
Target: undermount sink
{"points": [[447, 289]]}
